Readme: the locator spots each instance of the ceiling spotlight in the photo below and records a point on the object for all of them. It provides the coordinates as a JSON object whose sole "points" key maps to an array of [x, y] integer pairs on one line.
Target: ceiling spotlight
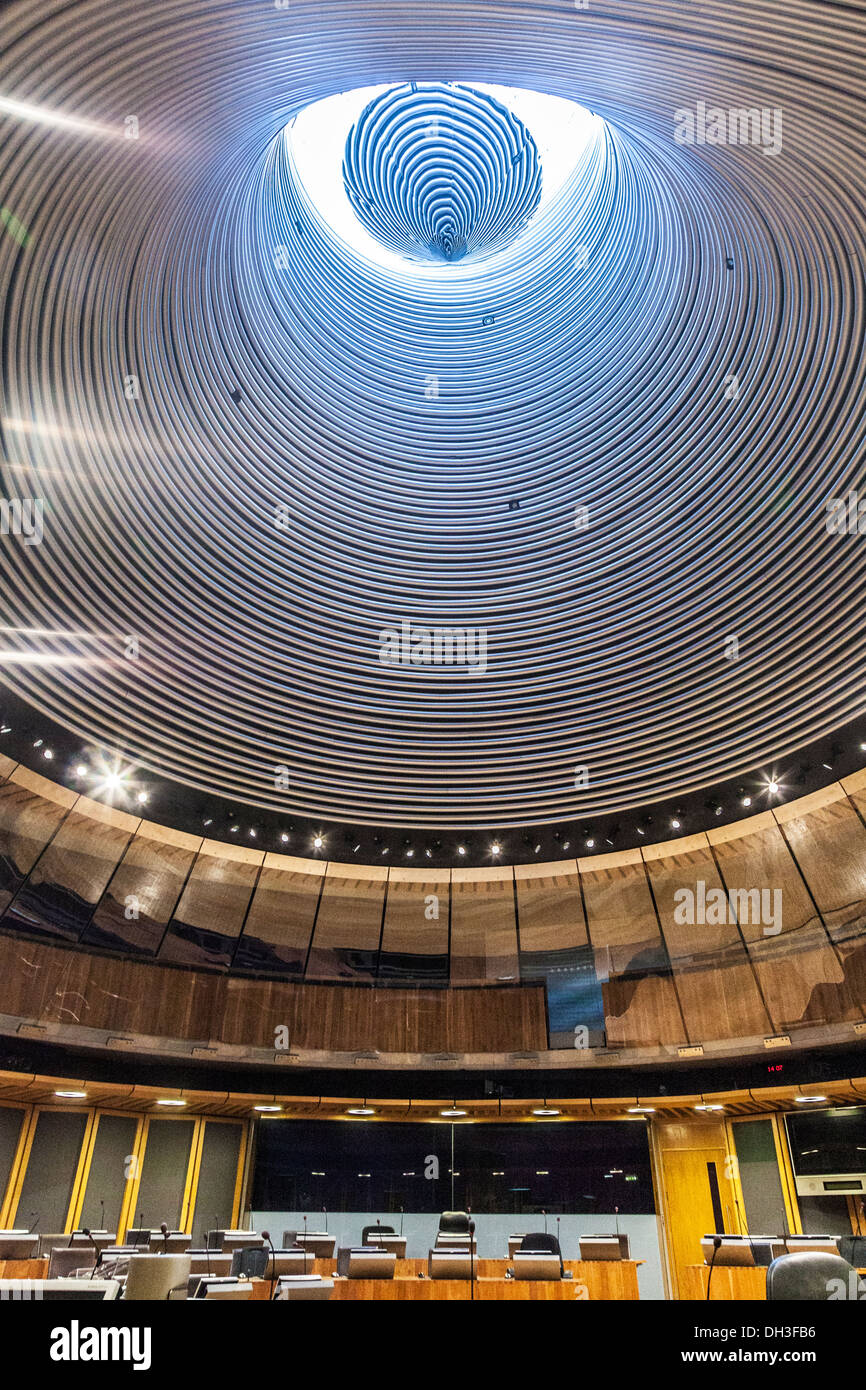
{"points": [[496, 847], [461, 849], [267, 1109], [772, 788], [317, 842], [168, 1100], [747, 801], [252, 834], [808, 1100], [675, 824], [364, 1109], [284, 839], [590, 844], [709, 1107], [641, 1110], [71, 1095], [452, 1113], [81, 770], [141, 798], [409, 853], [47, 753], [546, 1110]]}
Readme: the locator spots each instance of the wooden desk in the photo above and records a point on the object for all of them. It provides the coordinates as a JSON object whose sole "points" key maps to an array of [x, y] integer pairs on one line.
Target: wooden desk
{"points": [[613, 1280], [24, 1269], [731, 1283]]}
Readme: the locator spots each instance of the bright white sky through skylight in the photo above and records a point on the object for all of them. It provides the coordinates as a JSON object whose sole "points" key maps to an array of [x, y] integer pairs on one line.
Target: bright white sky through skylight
{"points": [[317, 138]]}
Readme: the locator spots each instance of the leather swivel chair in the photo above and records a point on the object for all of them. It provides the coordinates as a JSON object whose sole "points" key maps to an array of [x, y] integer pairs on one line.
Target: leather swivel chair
{"points": [[64, 1260], [376, 1231], [252, 1262], [454, 1223], [157, 1277], [540, 1243], [806, 1277]]}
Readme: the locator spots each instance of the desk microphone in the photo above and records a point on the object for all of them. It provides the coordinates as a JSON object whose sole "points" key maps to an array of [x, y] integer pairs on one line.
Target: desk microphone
{"points": [[164, 1230], [266, 1235], [717, 1241], [34, 1221], [401, 1220], [616, 1217], [98, 1261], [325, 1210], [544, 1214], [102, 1214], [305, 1244], [472, 1261], [745, 1228]]}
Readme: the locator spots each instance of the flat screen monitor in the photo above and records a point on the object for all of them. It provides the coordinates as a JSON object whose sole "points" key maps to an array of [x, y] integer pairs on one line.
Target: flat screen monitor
{"points": [[536, 1265], [608, 1247], [449, 1264], [60, 1290], [794, 1245], [828, 1141], [304, 1288], [744, 1251]]}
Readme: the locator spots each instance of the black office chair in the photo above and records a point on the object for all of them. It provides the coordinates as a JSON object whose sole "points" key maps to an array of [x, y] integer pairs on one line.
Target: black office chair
{"points": [[454, 1223], [253, 1261], [376, 1231], [806, 1277], [540, 1243]]}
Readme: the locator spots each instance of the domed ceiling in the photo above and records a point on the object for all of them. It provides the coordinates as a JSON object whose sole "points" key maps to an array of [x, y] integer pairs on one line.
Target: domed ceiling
{"points": [[514, 507]]}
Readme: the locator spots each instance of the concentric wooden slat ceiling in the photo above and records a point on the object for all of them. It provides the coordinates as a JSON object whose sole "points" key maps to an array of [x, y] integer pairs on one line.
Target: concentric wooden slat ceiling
{"points": [[602, 387]]}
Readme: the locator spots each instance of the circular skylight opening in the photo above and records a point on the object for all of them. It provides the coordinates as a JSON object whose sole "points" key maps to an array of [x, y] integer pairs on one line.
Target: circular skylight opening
{"points": [[436, 175]]}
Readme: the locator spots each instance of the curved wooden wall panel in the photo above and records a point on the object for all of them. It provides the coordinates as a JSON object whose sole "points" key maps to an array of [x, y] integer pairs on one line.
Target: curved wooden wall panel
{"points": [[53, 985], [168, 935]]}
